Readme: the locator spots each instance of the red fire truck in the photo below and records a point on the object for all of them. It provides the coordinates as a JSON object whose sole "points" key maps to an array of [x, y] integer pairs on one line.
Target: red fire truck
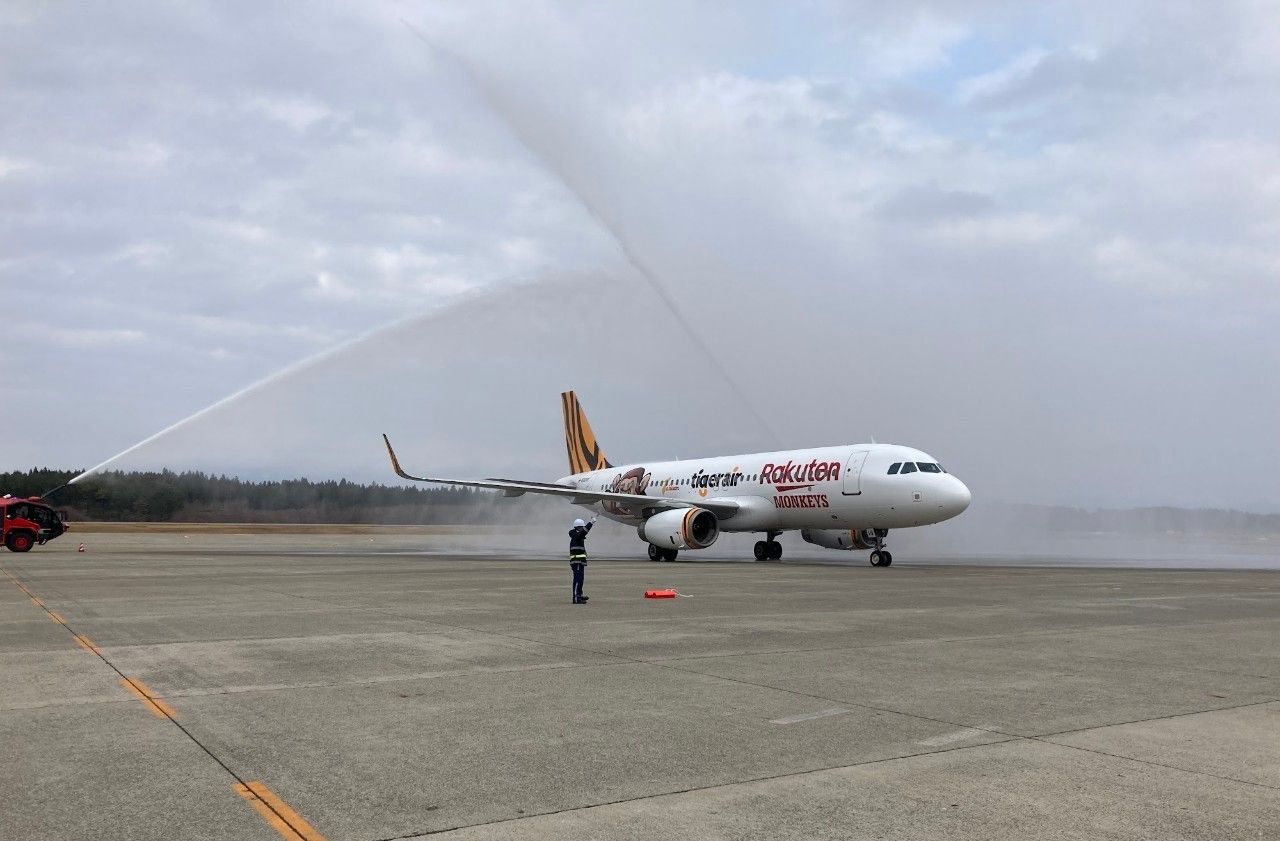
{"points": [[26, 521]]}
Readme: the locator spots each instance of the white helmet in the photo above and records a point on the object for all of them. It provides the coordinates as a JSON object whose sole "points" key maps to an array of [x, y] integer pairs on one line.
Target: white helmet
{"points": [[579, 523]]}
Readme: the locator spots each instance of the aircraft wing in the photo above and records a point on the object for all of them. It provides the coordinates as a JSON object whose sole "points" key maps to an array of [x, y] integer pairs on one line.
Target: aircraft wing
{"points": [[722, 508]]}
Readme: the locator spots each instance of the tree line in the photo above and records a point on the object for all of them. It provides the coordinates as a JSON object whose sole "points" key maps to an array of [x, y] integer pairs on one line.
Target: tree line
{"points": [[195, 497]]}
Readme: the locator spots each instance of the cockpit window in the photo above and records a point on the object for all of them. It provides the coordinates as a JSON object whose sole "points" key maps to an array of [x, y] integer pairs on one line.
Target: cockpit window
{"points": [[927, 467], [908, 467], [893, 468]]}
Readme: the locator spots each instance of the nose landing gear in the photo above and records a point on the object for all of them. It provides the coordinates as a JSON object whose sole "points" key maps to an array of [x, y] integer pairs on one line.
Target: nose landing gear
{"points": [[769, 549], [880, 556]]}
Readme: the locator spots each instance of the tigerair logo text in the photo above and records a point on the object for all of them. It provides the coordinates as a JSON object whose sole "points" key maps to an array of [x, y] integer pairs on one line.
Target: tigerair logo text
{"points": [[702, 479]]}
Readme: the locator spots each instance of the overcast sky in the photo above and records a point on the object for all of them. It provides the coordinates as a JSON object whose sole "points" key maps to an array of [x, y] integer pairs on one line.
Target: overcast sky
{"points": [[1037, 240]]}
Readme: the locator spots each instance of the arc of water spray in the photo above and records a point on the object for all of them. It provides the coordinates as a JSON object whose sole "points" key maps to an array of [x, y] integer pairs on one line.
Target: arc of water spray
{"points": [[492, 98], [266, 381]]}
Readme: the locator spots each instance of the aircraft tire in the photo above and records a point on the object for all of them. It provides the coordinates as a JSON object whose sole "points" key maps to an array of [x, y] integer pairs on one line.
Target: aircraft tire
{"points": [[775, 550], [656, 554], [875, 558], [762, 551], [886, 558], [670, 554]]}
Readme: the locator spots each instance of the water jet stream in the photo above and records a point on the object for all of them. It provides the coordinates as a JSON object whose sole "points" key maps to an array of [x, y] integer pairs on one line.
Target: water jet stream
{"points": [[289, 370], [491, 94]]}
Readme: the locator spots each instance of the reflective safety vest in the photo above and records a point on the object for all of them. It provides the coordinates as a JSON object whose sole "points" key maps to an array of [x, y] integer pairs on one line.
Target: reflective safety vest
{"points": [[578, 543]]}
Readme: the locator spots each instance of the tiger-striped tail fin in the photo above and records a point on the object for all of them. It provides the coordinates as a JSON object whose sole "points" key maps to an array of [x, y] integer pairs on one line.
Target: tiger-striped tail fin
{"points": [[585, 454]]}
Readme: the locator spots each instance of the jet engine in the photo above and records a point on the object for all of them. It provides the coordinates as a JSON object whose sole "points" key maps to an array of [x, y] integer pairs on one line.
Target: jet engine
{"points": [[681, 528], [840, 538]]}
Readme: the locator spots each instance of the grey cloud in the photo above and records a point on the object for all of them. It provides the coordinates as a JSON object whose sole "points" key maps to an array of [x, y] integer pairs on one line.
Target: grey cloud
{"points": [[1059, 287]]}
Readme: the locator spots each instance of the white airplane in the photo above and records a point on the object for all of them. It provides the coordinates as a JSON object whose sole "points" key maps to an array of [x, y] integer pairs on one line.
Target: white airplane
{"points": [[845, 497]]}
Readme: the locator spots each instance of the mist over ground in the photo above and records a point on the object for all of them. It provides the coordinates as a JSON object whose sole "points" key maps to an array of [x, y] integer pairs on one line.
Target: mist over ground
{"points": [[1038, 244]]}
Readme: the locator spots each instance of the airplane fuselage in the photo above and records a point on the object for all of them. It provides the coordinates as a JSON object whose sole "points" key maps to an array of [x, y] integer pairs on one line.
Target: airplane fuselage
{"points": [[845, 497], [842, 487]]}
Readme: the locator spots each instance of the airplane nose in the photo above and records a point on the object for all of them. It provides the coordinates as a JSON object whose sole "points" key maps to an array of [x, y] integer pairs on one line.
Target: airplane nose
{"points": [[958, 497]]}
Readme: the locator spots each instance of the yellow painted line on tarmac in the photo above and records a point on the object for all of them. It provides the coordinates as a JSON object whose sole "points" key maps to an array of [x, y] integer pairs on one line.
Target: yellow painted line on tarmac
{"points": [[153, 697], [80, 639], [137, 688], [278, 815], [36, 600], [143, 693]]}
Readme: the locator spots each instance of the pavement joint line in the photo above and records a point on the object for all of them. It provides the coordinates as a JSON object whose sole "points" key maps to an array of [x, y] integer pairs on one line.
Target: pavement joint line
{"points": [[945, 640], [83, 641], [689, 671], [711, 787], [917, 755], [166, 712], [870, 646], [1176, 666], [1227, 708], [857, 704], [150, 700], [278, 814], [77, 702], [955, 736], [293, 687], [1008, 737], [1153, 763], [712, 676], [1046, 740]]}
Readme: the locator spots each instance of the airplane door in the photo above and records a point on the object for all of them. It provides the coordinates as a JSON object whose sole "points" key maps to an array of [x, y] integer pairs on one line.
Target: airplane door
{"points": [[853, 473]]}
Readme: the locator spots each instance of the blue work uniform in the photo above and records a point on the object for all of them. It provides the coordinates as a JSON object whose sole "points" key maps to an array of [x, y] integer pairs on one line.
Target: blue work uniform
{"points": [[578, 559]]}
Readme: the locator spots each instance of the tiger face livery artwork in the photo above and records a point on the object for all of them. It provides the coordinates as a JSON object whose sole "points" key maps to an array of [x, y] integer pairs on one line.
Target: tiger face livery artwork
{"points": [[634, 481]]}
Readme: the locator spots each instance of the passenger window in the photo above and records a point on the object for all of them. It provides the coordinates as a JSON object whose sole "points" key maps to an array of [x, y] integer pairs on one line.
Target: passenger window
{"points": [[893, 468], [908, 467], [928, 467]]}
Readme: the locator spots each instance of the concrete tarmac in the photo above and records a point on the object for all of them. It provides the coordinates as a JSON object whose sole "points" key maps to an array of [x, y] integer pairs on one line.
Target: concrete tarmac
{"points": [[262, 687]]}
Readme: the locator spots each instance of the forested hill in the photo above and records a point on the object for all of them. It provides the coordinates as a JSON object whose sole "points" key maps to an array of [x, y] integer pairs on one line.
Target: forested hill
{"points": [[201, 498]]}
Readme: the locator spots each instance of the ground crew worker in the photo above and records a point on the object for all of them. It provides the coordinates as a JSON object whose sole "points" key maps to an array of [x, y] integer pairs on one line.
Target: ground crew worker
{"points": [[578, 556]]}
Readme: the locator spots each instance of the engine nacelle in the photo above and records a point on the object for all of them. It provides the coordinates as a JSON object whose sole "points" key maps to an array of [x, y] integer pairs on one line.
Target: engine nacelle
{"points": [[840, 538], [681, 528]]}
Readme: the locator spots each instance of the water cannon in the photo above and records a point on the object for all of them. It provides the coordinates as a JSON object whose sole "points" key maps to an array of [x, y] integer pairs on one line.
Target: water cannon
{"points": [[50, 493]]}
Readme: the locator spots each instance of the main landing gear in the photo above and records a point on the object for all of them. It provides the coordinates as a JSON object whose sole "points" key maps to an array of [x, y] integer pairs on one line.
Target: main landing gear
{"points": [[769, 549], [880, 556], [657, 553]]}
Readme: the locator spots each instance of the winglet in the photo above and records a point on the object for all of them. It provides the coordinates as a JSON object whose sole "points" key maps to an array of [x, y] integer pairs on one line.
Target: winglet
{"points": [[395, 462]]}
